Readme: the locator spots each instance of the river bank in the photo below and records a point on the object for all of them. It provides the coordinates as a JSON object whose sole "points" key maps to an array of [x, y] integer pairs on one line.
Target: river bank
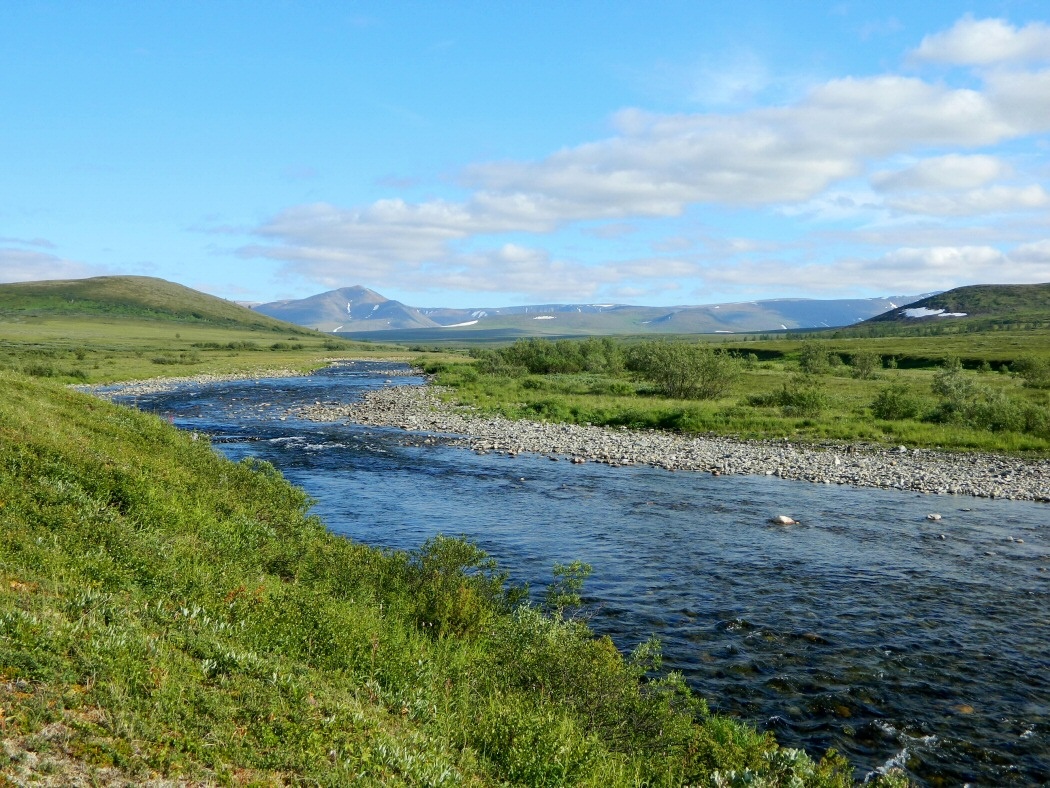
{"points": [[421, 409]]}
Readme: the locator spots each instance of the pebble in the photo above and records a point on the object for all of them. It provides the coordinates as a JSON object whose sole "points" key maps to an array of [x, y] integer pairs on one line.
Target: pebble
{"points": [[421, 409], [158, 385]]}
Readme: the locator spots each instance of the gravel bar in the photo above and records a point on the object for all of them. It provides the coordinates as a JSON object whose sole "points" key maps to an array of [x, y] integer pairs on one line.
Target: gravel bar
{"points": [[157, 385], [420, 409]]}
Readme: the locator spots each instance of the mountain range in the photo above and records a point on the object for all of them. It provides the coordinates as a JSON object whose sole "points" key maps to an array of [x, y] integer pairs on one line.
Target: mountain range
{"points": [[354, 310]]}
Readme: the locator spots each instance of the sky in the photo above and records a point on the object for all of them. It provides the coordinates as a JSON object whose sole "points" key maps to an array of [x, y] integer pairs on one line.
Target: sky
{"points": [[470, 154]]}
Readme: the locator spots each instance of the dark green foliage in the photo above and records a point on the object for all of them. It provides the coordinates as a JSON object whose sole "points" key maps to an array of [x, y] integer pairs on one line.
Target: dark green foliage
{"points": [[455, 588], [684, 370], [963, 400], [1034, 370], [800, 396], [815, 357], [895, 402], [547, 357], [864, 364]]}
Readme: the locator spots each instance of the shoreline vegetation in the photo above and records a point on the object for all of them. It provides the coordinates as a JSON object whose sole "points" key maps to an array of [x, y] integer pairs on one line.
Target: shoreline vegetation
{"points": [[428, 410], [432, 409], [168, 616]]}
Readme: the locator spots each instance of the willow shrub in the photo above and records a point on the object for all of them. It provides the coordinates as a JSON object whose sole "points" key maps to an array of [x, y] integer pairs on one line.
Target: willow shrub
{"points": [[684, 370]]}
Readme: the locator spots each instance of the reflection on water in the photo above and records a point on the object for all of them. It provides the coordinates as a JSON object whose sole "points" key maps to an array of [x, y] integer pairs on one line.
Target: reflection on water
{"points": [[867, 627]]}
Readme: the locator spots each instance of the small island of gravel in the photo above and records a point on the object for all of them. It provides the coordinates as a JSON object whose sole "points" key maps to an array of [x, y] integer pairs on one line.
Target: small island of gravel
{"points": [[421, 409]]}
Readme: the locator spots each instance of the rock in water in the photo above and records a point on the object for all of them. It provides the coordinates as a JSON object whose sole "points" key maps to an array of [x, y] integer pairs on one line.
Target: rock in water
{"points": [[783, 519]]}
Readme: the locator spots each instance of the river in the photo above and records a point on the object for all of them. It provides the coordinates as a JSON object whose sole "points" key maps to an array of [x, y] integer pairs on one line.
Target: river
{"points": [[867, 627]]}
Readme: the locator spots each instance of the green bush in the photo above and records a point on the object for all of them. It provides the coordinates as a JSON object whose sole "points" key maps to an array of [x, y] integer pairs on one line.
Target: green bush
{"points": [[864, 364], [545, 357], [800, 396], [684, 370], [1035, 371], [815, 357], [896, 402]]}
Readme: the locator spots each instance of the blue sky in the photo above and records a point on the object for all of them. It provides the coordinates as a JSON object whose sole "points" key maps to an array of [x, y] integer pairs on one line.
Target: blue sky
{"points": [[487, 154]]}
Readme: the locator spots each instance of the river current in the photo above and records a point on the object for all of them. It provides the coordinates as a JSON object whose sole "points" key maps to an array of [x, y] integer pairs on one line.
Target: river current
{"points": [[867, 627]]}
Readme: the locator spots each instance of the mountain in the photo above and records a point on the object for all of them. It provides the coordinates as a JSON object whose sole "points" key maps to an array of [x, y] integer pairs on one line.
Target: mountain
{"points": [[348, 309], [357, 309], [142, 297], [975, 303]]}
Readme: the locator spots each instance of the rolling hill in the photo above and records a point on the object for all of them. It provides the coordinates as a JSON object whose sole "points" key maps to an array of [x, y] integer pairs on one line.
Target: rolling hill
{"points": [[973, 305], [357, 310], [138, 297]]}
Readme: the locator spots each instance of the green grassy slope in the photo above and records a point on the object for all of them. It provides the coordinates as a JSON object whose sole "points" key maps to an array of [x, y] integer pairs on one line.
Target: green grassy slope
{"points": [[130, 297], [983, 306], [165, 612]]}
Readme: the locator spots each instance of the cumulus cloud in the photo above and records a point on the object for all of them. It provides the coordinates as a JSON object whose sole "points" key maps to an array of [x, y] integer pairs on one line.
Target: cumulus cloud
{"points": [[1036, 253], [658, 164], [905, 271], [802, 159], [954, 171], [22, 265], [985, 42], [996, 199]]}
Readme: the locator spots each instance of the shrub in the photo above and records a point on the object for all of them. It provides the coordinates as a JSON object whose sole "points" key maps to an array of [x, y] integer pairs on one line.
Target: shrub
{"points": [[685, 370], [896, 402], [612, 388], [864, 364], [798, 397], [564, 592], [1034, 371], [40, 370], [815, 357], [544, 357], [455, 586], [956, 390]]}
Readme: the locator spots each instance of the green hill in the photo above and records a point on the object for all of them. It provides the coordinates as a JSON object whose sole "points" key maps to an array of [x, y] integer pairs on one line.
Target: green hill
{"points": [[975, 305], [139, 297]]}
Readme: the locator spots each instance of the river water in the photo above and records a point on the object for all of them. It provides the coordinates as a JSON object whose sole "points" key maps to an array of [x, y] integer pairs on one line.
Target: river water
{"points": [[896, 639]]}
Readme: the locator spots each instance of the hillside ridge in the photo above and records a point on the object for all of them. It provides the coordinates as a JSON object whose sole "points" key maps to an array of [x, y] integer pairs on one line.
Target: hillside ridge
{"points": [[141, 297]]}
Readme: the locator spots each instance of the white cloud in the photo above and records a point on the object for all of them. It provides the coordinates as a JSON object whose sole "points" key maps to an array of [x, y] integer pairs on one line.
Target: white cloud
{"points": [[1021, 98], [996, 199], [985, 42], [21, 265], [1037, 253], [802, 158], [658, 164], [954, 171], [908, 270]]}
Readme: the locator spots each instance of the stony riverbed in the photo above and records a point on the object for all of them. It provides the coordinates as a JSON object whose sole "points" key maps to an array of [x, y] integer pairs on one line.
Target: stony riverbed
{"points": [[420, 409]]}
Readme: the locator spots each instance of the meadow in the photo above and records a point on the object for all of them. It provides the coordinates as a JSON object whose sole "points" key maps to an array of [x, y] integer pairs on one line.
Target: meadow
{"points": [[989, 391]]}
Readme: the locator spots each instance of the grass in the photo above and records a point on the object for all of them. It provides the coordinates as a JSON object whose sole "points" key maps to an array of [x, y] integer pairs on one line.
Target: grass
{"points": [[135, 297], [165, 612], [101, 349]]}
